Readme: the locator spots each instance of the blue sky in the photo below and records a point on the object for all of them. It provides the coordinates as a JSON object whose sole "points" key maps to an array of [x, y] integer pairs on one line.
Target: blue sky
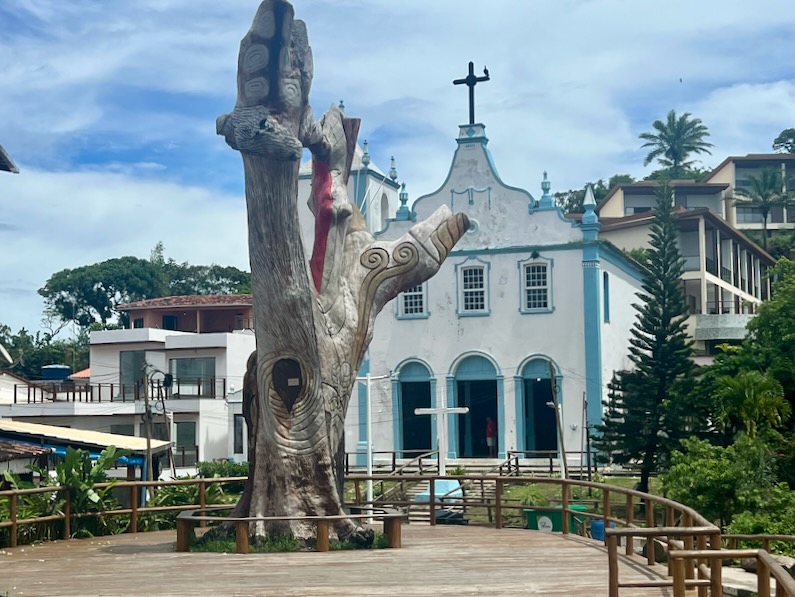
{"points": [[108, 107]]}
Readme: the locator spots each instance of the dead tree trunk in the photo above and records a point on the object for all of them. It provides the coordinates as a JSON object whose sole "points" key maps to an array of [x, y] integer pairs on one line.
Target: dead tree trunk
{"points": [[313, 321]]}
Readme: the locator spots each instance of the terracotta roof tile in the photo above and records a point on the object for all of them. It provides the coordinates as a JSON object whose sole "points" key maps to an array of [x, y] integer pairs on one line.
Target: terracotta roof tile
{"points": [[12, 450], [196, 300]]}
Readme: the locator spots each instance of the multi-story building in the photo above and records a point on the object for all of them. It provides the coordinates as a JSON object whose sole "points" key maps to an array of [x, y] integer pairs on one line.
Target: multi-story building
{"points": [[183, 355], [735, 172], [725, 275]]}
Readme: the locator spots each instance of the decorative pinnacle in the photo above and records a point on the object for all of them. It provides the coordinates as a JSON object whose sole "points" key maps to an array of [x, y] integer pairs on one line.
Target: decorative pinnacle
{"points": [[404, 196], [365, 154], [393, 170], [545, 184], [342, 106]]}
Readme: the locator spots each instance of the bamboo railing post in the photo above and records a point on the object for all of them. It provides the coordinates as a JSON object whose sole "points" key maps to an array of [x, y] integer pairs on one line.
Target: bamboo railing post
{"points": [[133, 509], [679, 577], [203, 503], [612, 563], [629, 517], [241, 536], [701, 544], [498, 504], [715, 567], [565, 506], [687, 522], [649, 507], [763, 579], [322, 535], [12, 512], [432, 502], [67, 514]]}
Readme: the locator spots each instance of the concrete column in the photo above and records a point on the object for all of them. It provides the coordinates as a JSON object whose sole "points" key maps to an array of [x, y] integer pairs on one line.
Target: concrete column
{"points": [[702, 263]]}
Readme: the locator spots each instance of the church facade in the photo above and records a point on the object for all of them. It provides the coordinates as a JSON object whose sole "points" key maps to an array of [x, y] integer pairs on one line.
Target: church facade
{"points": [[527, 303]]}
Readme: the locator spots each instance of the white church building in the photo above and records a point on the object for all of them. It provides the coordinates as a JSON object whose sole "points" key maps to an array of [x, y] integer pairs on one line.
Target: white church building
{"points": [[526, 302]]}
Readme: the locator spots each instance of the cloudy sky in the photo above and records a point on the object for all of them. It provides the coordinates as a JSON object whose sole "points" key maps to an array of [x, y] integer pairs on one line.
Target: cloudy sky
{"points": [[108, 106]]}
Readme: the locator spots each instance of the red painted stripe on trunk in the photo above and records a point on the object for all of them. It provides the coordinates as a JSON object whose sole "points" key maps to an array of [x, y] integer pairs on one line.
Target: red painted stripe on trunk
{"points": [[321, 200]]}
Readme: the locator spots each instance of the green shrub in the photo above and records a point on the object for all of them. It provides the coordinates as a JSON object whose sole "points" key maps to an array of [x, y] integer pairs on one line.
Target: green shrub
{"points": [[776, 517], [225, 468], [179, 495]]}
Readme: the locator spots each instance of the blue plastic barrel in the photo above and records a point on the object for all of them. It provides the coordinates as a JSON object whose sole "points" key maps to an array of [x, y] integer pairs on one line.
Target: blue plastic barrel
{"points": [[598, 529]]}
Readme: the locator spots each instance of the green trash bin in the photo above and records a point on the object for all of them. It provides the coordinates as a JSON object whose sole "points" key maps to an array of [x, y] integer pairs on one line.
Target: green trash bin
{"points": [[550, 519]]}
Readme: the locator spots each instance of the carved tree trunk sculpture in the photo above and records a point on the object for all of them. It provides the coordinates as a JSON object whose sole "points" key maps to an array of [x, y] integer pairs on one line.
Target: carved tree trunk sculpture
{"points": [[313, 321]]}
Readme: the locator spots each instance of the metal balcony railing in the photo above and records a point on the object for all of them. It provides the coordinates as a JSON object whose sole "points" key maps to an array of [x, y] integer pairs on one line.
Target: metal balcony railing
{"points": [[67, 391]]}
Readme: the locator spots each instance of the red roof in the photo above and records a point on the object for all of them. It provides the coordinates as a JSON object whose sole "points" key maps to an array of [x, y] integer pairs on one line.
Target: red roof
{"points": [[84, 374], [196, 300], [10, 450]]}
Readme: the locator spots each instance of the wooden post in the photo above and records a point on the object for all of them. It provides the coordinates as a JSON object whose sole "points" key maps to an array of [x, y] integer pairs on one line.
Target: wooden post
{"points": [[763, 579], [716, 567], [432, 502], [241, 536], [203, 502], [606, 510], [184, 533], [649, 507], [392, 530], [133, 509], [565, 506], [670, 520], [357, 493], [701, 544], [687, 522], [67, 515], [679, 577], [630, 518], [12, 511], [322, 535], [612, 563], [498, 505]]}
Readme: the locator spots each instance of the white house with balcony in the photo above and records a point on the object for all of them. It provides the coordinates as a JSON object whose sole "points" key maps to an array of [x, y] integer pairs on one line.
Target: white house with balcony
{"points": [[166, 359], [527, 301]]}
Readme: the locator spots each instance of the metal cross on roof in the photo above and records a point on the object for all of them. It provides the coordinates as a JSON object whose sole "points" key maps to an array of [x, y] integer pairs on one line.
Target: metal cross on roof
{"points": [[470, 81]]}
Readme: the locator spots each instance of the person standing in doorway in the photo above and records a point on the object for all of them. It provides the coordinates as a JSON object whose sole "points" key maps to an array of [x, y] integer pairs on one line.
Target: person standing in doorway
{"points": [[491, 437]]}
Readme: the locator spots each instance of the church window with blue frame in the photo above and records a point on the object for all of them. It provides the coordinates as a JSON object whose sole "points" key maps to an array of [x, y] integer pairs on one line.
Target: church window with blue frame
{"points": [[473, 288], [413, 302], [536, 288]]}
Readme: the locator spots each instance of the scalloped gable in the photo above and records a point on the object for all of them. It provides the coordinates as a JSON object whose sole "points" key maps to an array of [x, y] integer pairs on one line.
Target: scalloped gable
{"points": [[501, 214]]}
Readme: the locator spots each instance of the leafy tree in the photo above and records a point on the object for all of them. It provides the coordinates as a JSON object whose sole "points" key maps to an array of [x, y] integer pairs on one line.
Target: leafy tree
{"points": [[91, 293], [648, 412], [674, 141], [684, 173], [722, 482], [765, 192], [571, 201], [186, 279], [31, 352], [785, 142]]}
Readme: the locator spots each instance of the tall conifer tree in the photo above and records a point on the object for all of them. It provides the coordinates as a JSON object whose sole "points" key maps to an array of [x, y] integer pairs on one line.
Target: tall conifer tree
{"points": [[646, 411]]}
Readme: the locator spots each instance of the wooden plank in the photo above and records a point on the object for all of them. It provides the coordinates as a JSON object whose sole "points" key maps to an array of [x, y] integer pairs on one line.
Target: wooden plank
{"points": [[441, 561]]}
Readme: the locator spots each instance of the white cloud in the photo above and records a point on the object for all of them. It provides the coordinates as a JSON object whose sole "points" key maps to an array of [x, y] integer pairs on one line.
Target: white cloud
{"points": [[109, 108]]}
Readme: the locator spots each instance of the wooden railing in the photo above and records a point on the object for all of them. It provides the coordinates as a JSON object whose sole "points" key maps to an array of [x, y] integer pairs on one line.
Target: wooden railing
{"points": [[692, 541], [587, 461], [187, 521], [400, 489]]}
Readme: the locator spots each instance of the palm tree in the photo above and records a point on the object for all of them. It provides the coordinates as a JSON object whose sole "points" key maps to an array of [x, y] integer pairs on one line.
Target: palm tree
{"points": [[751, 401], [764, 192], [675, 140]]}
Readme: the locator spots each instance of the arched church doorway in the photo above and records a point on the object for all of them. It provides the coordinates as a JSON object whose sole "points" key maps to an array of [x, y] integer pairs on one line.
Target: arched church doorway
{"points": [[541, 432], [475, 388], [415, 392]]}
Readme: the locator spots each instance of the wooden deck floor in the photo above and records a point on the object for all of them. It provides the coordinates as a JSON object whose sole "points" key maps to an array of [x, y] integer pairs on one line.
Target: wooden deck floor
{"points": [[434, 561]]}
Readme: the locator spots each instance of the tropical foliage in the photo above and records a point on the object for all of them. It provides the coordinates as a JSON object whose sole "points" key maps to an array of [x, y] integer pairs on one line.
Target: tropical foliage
{"points": [[674, 141], [785, 141], [647, 410], [764, 192]]}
